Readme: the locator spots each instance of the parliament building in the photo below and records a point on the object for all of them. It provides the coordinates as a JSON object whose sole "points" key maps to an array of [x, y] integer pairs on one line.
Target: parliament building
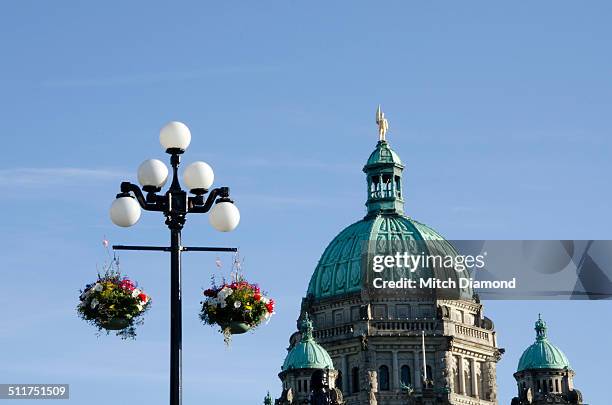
{"points": [[359, 345]]}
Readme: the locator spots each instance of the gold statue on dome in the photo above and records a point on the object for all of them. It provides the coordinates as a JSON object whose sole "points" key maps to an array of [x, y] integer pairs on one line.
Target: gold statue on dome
{"points": [[383, 124]]}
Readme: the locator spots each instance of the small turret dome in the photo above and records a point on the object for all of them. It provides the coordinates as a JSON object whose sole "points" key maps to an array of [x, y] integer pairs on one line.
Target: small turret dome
{"points": [[307, 353], [542, 354]]}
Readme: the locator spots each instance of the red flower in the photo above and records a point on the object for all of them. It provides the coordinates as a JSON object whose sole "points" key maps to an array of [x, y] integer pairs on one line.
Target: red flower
{"points": [[257, 296], [270, 306], [143, 297]]}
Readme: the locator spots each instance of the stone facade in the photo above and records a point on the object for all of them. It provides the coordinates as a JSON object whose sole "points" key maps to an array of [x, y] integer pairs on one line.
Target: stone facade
{"points": [[546, 386], [297, 385], [376, 347]]}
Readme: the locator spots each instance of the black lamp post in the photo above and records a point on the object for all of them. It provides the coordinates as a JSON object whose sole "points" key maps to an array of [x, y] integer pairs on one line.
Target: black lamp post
{"points": [[175, 205]]}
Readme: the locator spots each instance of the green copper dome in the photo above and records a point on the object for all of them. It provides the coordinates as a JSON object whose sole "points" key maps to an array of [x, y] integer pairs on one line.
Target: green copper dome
{"points": [[542, 354], [307, 353], [383, 154], [340, 269]]}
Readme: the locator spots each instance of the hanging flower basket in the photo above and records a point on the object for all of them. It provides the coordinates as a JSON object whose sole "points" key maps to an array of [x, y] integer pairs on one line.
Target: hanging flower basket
{"points": [[236, 307], [235, 328], [113, 303], [116, 324]]}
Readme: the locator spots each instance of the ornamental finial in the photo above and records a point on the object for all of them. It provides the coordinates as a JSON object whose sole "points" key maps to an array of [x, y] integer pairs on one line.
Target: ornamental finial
{"points": [[540, 328], [306, 328], [383, 124]]}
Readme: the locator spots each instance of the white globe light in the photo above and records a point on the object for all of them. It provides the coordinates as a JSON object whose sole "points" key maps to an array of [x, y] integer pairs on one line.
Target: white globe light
{"points": [[198, 175], [153, 173], [125, 211], [224, 216], [175, 135]]}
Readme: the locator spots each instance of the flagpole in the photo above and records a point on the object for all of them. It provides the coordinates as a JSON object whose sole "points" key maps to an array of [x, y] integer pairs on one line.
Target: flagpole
{"points": [[424, 360]]}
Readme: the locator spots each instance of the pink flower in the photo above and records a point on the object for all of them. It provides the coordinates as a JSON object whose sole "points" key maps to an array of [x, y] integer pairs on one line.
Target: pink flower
{"points": [[127, 285]]}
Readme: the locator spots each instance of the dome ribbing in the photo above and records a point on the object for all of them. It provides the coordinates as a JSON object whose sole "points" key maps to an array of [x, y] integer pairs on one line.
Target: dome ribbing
{"points": [[542, 354], [307, 353]]}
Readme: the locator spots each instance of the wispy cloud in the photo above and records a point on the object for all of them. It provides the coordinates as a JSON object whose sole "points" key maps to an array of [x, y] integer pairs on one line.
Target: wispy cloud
{"points": [[154, 77], [36, 177], [299, 164], [265, 199]]}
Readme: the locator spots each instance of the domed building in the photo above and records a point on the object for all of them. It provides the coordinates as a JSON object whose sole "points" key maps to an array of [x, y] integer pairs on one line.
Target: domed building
{"points": [[302, 363], [395, 345], [544, 375]]}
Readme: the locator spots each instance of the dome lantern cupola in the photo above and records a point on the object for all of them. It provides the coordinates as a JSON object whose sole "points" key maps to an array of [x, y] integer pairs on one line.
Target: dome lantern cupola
{"points": [[384, 175]]}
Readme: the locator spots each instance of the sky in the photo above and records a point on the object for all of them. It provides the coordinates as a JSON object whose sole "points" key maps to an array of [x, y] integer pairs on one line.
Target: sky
{"points": [[500, 113]]}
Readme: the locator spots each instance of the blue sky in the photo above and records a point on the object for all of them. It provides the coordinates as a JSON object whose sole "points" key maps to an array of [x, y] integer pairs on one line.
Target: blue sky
{"points": [[500, 113]]}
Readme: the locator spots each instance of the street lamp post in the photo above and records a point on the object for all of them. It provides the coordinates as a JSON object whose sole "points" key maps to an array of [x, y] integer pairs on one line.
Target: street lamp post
{"points": [[175, 204]]}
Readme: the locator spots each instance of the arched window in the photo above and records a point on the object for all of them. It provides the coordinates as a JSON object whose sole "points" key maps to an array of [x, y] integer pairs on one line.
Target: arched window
{"points": [[383, 378], [339, 381], [376, 187], [355, 380], [405, 375], [387, 185], [398, 186]]}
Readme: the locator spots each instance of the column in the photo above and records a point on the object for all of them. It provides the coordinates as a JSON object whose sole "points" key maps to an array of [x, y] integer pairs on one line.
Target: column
{"points": [[491, 386], [345, 375], [475, 382], [461, 376], [417, 370], [396, 371]]}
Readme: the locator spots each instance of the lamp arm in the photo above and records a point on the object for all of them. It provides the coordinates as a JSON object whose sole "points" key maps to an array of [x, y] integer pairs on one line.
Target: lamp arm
{"points": [[197, 205], [127, 187]]}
